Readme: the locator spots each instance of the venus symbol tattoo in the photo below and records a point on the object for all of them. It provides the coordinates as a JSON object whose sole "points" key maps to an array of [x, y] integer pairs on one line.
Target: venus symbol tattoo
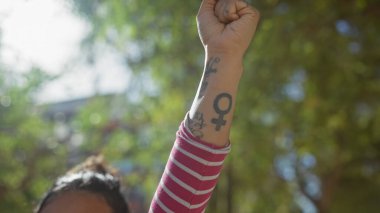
{"points": [[219, 122]]}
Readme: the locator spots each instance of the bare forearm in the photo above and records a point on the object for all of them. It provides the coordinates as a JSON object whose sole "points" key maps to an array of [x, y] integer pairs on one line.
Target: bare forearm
{"points": [[211, 113]]}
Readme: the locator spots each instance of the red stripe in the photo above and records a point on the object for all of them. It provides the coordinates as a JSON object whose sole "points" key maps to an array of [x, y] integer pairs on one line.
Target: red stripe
{"points": [[190, 179], [199, 187], [171, 203], [206, 155], [187, 178], [183, 193], [156, 208], [195, 165]]}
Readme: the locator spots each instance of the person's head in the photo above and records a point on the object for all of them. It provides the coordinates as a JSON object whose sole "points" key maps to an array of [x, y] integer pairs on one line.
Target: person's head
{"points": [[89, 187]]}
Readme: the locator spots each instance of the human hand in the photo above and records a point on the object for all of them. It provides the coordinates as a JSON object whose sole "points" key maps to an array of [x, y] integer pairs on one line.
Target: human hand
{"points": [[231, 37], [225, 10]]}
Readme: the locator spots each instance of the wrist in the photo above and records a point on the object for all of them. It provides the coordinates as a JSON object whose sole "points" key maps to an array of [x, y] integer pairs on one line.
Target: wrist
{"points": [[229, 66], [235, 57], [222, 71]]}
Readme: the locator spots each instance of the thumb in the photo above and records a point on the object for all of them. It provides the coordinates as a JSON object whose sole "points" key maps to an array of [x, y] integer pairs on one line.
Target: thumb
{"points": [[207, 6], [206, 15]]}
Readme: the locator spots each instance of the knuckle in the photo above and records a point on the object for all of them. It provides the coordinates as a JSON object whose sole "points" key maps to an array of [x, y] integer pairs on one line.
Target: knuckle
{"points": [[255, 12]]}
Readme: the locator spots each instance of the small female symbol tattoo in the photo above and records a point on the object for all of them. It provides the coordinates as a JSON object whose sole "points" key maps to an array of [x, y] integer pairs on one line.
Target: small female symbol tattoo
{"points": [[219, 122]]}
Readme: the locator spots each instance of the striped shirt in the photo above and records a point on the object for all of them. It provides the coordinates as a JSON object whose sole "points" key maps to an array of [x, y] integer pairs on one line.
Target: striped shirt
{"points": [[190, 175]]}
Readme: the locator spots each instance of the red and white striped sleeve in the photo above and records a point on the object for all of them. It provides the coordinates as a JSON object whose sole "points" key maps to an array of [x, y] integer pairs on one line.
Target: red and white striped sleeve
{"points": [[190, 175]]}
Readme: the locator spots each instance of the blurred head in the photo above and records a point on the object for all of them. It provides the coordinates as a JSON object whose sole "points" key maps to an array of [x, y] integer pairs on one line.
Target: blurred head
{"points": [[89, 187]]}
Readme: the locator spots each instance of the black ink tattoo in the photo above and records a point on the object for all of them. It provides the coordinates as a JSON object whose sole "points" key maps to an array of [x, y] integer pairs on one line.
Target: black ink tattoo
{"points": [[197, 124], [210, 65], [219, 122], [209, 69]]}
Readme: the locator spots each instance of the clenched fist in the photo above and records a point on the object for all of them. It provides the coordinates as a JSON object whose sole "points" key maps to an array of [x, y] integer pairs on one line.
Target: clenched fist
{"points": [[227, 26]]}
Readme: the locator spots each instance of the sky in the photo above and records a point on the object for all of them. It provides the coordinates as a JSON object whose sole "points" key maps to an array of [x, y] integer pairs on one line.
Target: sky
{"points": [[45, 33]]}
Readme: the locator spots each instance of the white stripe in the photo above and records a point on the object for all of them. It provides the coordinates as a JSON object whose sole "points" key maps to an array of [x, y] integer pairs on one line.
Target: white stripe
{"points": [[199, 205], [187, 187], [174, 196], [181, 201], [225, 150], [166, 209], [196, 158], [193, 173], [190, 140]]}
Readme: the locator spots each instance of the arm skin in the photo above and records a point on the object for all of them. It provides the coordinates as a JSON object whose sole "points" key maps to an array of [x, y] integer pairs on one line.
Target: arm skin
{"points": [[197, 157], [225, 37]]}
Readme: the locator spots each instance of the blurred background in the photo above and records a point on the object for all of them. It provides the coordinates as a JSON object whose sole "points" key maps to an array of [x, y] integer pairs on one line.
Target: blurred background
{"points": [[116, 77]]}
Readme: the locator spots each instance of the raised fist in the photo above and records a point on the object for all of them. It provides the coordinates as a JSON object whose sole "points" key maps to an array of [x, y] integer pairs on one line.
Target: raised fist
{"points": [[227, 26]]}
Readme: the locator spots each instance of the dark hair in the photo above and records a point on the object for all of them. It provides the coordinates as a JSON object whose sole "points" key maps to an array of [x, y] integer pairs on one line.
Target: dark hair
{"points": [[91, 176]]}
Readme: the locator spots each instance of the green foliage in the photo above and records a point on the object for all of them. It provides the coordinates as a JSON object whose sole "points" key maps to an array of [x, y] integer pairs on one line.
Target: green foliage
{"points": [[30, 156], [309, 97], [307, 123]]}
